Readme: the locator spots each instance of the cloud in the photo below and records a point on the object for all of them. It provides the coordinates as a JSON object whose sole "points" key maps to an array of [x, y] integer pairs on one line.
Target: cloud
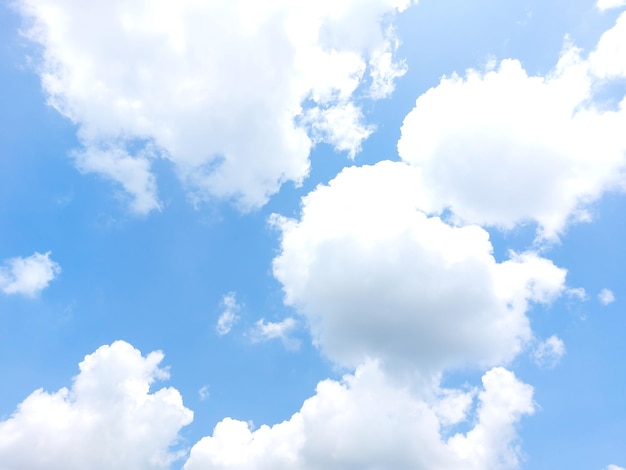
{"points": [[607, 60], [377, 278], [204, 393], [610, 4], [364, 421], [107, 419], [28, 276], [615, 467], [548, 353], [606, 297], [226, 91], [131, 172], [500, 147], [265, 331], [577, 293], [229, 316]]}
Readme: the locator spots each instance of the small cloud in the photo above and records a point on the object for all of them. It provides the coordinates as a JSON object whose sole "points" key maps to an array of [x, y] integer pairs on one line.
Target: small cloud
{"points": [[28, 276], [606, 297], [577, 293], [265, 331], [608, 5], [615, 467], [549, 352], [229, 316], [204, 393]]}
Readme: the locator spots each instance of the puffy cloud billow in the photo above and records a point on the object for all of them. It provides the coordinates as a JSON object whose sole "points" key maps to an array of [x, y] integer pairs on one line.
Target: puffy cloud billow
{"points": [[366, 422], [107, 419], [234, 93], [377, 278], [501, 147]]}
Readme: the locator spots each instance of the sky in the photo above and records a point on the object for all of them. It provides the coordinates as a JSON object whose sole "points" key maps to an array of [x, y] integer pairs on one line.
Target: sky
{"points": [[346, 234]]}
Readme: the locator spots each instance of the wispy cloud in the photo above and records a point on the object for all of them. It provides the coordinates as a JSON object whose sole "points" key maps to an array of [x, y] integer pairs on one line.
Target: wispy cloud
{"points": [[548, 353], [204, 392], [265, 331], [229, 316]]}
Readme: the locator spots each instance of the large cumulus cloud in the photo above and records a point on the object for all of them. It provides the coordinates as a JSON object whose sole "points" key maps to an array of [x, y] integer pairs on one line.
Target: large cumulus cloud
{"points": [[376, 277], [215, 87], [500, 147]]}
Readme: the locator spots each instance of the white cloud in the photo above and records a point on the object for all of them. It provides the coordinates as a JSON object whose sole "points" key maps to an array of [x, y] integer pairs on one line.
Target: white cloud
{"points": [[229, 316], [577, 293], [608, 59], [366, 422], [107, 419], [615, 467], [131, 172], [500, 148], [264, 331], [224, 90], [340, 125], [204, 393], [606, 297], [28, 276], [609, 4], [376, 277], [548, 353], [386, 70]]}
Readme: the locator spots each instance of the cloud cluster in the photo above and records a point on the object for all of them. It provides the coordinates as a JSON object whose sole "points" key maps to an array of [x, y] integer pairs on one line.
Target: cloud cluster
{"points": [[377, 425], [233, 93], [377, 278], [388, 265], [107, 419], [500, 147], [28, 276]]}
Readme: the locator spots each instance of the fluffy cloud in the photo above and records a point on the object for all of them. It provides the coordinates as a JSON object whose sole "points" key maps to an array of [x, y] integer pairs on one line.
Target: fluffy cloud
{"points": [[500, 147], [234, 93], [606, 297], [614, 467], [264, 331], [107, 419], [607, 60], [28, 276], [548, 353], [377, 425], [376, 277], [229, 316]]}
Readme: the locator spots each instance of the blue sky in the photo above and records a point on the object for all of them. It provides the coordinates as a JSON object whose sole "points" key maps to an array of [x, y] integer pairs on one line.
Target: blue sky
{"points": [[346, 234]]}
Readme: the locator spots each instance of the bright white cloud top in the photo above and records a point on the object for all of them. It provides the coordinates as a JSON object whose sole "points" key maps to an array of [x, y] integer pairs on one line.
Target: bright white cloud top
{"points": [[399, 429], [393, 283], [28, 276], [501, 147]]}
